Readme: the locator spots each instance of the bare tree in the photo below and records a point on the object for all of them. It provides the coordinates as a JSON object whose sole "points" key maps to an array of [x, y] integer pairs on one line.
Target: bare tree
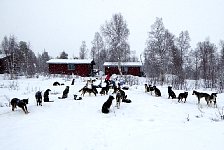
{"points": [[183, 45], [9, 47], [83, 50], [156, 47], [116, 34], [207, 51], [220, 67], [97, 48]]}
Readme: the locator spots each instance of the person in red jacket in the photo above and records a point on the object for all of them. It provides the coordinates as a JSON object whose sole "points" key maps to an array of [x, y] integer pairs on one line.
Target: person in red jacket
{"points": [[107, 79]]}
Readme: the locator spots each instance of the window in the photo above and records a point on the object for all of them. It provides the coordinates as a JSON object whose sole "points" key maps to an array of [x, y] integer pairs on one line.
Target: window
{"points": [[71, 66]]}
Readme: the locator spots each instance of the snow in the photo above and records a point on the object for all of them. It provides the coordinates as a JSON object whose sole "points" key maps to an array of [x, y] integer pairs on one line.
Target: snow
{"points": [[148, 122], [69, 61], [123, 64]]}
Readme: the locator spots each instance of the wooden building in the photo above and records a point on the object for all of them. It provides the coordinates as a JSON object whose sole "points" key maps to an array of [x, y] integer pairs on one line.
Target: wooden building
{"points": [[81, 67], [127, 68]]}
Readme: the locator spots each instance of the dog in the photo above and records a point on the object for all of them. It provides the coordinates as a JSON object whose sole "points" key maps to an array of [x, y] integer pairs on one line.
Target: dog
{"points": [[56, 84], [38, 97], [75, 97], [73, 81], [107, 104], [104, 90], [118, 99], [120, 96], [65, 93], [20, 103], [182, 96], [201, 95], [125, 100], [89, 90], [157, 91], [171, 93], [149, 88], [146, 88], [46, 96], [213, 99]]}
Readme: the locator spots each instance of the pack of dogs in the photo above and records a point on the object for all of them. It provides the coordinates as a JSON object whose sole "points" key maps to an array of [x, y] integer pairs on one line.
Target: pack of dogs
{"points": [[120, 96], [182, 97]]}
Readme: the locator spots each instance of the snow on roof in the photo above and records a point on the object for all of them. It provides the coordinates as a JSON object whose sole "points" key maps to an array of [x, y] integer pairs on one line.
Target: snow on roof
{"points": [[69, 61], [123, 64]]}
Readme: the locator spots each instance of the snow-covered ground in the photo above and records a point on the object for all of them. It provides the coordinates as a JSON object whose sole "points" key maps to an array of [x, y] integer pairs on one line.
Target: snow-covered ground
{"points": [[148, 122]]}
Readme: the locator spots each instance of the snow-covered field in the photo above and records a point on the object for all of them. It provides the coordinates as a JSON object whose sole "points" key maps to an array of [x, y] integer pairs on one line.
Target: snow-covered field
{"points": [[148, 122]]}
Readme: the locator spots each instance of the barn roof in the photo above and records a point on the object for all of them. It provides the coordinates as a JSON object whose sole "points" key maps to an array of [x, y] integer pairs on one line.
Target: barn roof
{"points": [[69, 61], [136, 64]]}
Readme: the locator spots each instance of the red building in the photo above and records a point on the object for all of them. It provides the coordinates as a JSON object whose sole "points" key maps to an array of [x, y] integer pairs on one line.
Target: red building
{"points": [[81, 67], [127, 68]]}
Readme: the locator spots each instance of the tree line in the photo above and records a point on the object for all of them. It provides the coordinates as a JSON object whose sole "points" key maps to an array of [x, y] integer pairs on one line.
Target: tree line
{"points": [[165, 55]]}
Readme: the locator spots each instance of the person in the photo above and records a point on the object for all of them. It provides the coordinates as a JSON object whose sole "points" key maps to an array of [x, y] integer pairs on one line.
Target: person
{"points": [[107, 79]]}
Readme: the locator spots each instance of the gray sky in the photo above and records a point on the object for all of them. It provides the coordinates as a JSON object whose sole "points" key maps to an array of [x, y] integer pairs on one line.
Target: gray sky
{"points": [[57, 25]]}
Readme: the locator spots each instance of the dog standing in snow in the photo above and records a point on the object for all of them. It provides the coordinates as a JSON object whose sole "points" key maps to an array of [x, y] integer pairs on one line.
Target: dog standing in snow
{"points": [[20, 103], [38, 96]]}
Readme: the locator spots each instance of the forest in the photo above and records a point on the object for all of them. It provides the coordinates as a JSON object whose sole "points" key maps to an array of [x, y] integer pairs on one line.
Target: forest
{"points": [[166, 56]]}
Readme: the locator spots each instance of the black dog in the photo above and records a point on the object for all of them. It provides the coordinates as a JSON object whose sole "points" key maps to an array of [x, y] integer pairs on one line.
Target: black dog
{"points": [[213, 99], [171, 93], [56, 84], [157, 91], [88, 90], [75, 97], [20, 103], [126, 100], [73, 81], [38, 96], [201, 95], [104, 90], [146, 88], [65, 93], [182, 96], [149, 88], [107, 104], [46, 96]]}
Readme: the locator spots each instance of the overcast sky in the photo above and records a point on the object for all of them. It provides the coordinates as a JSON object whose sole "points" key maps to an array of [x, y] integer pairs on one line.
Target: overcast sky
{"points": [[57, 25]]}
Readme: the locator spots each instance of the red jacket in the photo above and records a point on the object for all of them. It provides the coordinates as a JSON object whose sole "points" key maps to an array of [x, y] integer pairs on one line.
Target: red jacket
{"points": [[108, 77]]}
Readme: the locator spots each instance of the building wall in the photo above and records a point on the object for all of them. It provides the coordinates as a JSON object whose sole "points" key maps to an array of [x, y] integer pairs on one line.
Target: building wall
{"points": [[80, 69], [136, 71]]}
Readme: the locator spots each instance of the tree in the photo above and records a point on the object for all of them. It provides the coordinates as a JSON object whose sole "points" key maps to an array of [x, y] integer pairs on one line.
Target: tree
{"points": [[42, 62], [63, 55], [116, 34], [96, 50], [220, 67], [156, 47], [10, 47], [207, 52], [83, 50]]}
